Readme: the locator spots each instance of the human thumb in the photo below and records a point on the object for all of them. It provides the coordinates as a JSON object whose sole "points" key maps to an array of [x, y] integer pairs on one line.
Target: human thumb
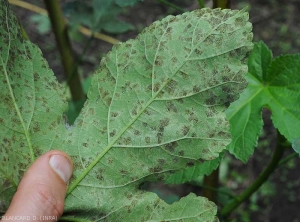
{"points": [[41, 192]]}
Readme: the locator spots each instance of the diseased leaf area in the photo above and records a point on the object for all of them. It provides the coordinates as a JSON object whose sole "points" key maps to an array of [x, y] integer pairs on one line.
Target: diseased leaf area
{"points": [[155, 107], [160, 101], [273, 84], [31, 104]]}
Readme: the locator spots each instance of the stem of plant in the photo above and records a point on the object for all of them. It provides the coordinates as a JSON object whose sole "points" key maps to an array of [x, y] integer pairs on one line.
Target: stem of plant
{"points": [[65, 49], [277, 155], [288, 158], [211, 181], [172, 5], [80, 58], [221, 4], [201, 4]]}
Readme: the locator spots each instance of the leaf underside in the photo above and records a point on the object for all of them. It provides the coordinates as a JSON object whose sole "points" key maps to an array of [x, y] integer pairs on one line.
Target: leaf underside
{"points": [[274, 84], [155, 106], [296, 145]]}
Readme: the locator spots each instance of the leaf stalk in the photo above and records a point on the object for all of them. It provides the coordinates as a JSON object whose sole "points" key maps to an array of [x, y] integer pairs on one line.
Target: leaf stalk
{"points": [[65, 49], [211, 181], [201, 3]]}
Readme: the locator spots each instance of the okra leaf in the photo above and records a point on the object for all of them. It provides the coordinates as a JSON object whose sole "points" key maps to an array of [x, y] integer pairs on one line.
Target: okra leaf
{"points": [[275, 86], [155, 106]]}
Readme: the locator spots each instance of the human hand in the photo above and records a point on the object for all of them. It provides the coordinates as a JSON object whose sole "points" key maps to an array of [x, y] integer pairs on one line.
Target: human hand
{"points": [[41, 192]]}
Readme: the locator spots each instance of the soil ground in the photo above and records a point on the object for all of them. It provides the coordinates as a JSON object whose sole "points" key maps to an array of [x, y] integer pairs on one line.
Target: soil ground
{"points": [[275, 22]]}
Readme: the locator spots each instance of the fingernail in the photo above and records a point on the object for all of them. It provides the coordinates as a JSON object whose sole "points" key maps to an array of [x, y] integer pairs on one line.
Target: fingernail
{"points": [[62, 166]]}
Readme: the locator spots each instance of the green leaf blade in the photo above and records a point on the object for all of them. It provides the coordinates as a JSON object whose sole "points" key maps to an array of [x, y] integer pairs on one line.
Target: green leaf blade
{"points": [[275, 87], [259, 61], [245, 119], [284, 85]]}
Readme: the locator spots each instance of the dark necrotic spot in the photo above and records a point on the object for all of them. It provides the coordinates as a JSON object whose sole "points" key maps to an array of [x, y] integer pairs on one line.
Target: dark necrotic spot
{"points": [[169, 29], [172, 19], [226, 89], [198, 52], [160, 135], [36, 77], [164, 122], [155, 169], [113, 133], [183, 75], [190, 164], [158, 62], [174, 60], [134, 111], [181, 153], [171, 107], [156, 87], [91, 111], [36, 127], [137, 132], [123, 172], [185, 129], [161, 161], [194, 135], [127, 140], [205, 151], [171, 146], [147, 139], [193, 119], [103, 130], [196, 89]]}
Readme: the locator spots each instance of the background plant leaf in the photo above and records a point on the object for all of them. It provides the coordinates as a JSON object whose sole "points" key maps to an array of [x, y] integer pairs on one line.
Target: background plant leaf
{"points": [[156, 105], [124, 3], [99, 15], [275, 86], [259, 61], [42, 22]]}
